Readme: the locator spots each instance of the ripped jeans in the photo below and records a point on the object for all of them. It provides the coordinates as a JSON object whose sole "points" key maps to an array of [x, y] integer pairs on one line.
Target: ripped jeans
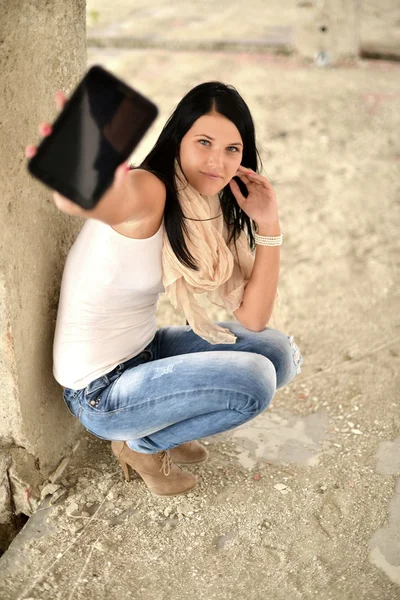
{"points": [[181, 388]]}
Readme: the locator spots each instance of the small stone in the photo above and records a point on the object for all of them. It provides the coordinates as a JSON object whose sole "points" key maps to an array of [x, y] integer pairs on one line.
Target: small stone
{"points": [[167, 511], [185, 509], [57, 495], [350, 424], [280, 486], [256, 477], [102, 545], [49, 488], [356, 431], [71, 508]]}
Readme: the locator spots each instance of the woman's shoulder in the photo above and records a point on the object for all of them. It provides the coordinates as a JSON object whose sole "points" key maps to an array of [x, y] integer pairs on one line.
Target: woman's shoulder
{"points": [[147, 180], [150, 198], [149, 192]]}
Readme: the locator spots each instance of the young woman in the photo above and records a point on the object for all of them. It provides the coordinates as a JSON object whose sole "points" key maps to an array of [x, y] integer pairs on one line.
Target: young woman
{"points": [[180, 224]]}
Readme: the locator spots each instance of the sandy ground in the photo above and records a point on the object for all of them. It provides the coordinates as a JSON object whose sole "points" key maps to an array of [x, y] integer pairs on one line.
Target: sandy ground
{"points": [[304, 501]]}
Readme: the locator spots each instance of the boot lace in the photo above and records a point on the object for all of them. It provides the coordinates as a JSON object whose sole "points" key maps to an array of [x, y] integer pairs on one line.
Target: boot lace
{"points": [[166, 462]]}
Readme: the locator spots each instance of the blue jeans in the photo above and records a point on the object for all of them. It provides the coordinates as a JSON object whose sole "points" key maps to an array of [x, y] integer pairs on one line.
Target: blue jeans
{"points": [[181, 388]]}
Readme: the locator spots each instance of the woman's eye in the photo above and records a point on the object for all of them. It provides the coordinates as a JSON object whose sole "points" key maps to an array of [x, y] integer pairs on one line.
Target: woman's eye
{"points": [[230, 148]]}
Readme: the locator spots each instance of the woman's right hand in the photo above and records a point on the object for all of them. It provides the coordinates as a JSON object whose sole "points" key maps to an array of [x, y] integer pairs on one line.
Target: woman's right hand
{"points": [[113, 207]]}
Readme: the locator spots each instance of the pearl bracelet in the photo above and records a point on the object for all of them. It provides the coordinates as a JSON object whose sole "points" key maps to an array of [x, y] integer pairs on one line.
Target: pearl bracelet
{"points": [[268, 240]]}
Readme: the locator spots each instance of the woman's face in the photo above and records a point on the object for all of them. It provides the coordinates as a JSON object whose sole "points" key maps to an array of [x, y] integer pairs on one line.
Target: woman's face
{"points": [[212, 146]]}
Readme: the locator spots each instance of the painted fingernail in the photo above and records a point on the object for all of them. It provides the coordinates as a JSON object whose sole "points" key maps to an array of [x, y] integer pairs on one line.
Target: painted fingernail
{"points": [[45, 129], [29, 151], [59, 100]]}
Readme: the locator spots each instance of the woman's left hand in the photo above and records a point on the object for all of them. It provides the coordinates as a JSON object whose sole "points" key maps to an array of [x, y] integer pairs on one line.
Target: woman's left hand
{"points": [[261, 204]]}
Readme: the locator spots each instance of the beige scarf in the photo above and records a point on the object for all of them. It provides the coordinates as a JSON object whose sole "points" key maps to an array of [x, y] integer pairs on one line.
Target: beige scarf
{"points": [[220, 276]]}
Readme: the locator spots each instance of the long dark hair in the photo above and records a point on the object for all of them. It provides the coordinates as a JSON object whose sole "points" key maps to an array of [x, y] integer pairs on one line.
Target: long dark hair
{"points": [[207, 97]]}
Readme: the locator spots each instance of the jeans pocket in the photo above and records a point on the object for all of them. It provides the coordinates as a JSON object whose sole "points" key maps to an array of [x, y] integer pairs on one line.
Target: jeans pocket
{"points": [[93, 396]]}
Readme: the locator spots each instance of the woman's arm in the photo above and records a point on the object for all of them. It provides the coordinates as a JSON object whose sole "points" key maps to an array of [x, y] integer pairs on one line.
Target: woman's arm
{"points": [[133, 194], [260, 292], [261, 206]]}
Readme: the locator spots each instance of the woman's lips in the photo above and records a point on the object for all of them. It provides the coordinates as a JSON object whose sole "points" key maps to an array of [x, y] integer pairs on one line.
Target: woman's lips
{"points": [[211, 176]]}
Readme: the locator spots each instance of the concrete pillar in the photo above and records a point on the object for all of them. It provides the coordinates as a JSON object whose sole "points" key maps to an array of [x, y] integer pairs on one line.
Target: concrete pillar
{"points": [[327, 31], [42, 50], [380, 31]]}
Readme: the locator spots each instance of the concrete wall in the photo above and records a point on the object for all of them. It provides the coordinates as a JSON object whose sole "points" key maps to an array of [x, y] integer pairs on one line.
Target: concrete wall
{"points": [[42, 50], [337, 30], [380, 29], [328, 31]]}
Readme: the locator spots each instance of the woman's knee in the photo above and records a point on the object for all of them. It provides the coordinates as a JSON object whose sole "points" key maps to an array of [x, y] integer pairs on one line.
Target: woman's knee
{"points": [[275, 345], [257, 383], [285, 356]]}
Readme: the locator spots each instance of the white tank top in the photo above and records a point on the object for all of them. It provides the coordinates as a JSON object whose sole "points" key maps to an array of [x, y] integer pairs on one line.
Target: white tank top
{"points": [[108, 301]]}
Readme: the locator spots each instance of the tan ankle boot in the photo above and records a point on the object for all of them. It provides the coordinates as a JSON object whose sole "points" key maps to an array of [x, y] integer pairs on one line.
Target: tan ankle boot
{"points": [[189, 452], [160, 474]]}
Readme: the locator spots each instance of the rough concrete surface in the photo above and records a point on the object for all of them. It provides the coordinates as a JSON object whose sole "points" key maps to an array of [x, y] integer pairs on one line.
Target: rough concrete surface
{"points": [[34, 240], [304, 501], [242, 24]]}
